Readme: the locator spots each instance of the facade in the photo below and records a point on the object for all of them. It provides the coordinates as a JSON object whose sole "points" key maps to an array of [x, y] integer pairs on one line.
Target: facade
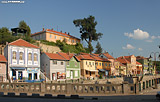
{"points": [[23, 60], [87, 65], [52, 35], [53, 66], [146, 65], [122, 69], [139, 68], [107, 56], [3, 70], [72, 66]]}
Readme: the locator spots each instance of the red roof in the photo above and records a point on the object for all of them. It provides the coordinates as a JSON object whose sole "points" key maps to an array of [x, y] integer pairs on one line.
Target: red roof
{"points": [[23, 43], [84, 57], [96, 55], [123, 60], [108, 55], [2, 58], [140, 57], [55, 56], [53, 31], [66, 56], [138, 63], [99, 58]]}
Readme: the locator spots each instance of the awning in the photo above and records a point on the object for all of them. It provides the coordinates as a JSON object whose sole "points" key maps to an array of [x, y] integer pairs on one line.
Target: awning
{"points": [[102, 70], [93, 70], [18, 68]]}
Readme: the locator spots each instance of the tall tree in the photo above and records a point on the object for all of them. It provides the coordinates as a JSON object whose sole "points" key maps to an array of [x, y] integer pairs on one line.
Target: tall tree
{"points": [[23, 25], [98, 48], [88, 30]]}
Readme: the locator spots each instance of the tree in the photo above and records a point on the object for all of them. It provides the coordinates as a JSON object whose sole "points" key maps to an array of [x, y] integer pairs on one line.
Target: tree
{"points": [[87, 30], [98, 48], [23, 25]]}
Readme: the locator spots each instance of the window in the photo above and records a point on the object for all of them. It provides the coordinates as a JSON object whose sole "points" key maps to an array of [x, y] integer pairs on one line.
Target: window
{"points": [[54, 62], [68, 40], [75, 63], [89, 63], [102, 64], [55, 37], [0, 66], [30, 57], [76, 41], [99, 64], [35, 75], [72, 41], [59, 38], [50, 36], [106, 64], [76, 73], [21, 56], [61, 63], [86, 62], [93, 63], [35, 57], [14, 55]]}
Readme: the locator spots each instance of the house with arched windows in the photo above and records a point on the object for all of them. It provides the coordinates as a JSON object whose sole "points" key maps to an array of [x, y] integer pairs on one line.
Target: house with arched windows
{"points": [[23, 60]]}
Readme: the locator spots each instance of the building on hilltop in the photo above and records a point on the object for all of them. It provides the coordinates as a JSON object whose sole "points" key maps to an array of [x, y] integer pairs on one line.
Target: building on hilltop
{"points": [[18, 31], [52, 35]]}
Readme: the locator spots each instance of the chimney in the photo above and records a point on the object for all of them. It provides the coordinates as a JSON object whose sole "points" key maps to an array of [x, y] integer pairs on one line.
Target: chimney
{"points": [[43, 29], [68, 33], [65, 32], [52, 29], [61, 31]]}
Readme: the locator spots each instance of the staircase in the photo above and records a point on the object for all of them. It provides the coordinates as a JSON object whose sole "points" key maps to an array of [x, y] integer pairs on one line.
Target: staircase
{"points": [[43, 76]]}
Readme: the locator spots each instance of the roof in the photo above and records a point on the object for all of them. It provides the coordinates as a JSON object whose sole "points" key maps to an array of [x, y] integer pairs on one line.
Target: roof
{"points": [[84, 57], [2, 58], [96, 55], [140, 58], [55, 56], [55, 32], [21, 42], [66, 56], [99, 58], [108, 55], [138, 63], [123, 60]]}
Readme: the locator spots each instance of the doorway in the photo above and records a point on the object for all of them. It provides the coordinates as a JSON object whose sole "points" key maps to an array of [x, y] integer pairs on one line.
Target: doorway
{"points": [[53, 76], [71, 74], [20, 76]]}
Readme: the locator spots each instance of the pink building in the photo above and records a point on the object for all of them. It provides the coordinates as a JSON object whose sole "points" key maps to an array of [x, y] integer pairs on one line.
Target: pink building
{"points": [[3, 74]]}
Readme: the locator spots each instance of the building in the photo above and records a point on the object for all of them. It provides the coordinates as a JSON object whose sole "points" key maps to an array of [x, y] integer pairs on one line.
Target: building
{"points": [[147, 65], [139, 68], [122, 69], [72, 65], [23, 60], [3, 70], [18, 32], [53, 66], [52, 35], [107, 56], [87, 65]]}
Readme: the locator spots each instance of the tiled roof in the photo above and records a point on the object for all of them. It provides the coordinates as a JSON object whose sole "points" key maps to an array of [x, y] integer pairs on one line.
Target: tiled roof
{"points": [[56, 32], [122, 59], [138, 63], [2, 58], [96, 55], [99, 58], [140, 57], [85, 57], [23, 43], [55, 56], [66, 56], [108, 55]]}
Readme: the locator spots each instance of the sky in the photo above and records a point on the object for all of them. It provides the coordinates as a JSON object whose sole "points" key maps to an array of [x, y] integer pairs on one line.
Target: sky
{"points": [[128, 26]]}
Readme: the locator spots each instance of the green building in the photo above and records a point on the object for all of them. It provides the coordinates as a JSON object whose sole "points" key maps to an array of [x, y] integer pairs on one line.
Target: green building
{"points": [[147, 65], [72, 66]]}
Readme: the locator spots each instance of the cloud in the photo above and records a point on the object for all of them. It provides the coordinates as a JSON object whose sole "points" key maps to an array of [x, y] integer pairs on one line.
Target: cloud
{"points": [[140, 49], [158, 37], [138, 34], [153, 37], [129, 46]]}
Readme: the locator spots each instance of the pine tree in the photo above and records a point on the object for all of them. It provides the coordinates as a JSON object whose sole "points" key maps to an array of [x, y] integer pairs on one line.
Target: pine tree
{"points": [[98, 48]]}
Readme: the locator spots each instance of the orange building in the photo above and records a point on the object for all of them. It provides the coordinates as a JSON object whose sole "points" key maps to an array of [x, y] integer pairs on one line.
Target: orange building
{"points": [[139, 68], [52, 35]]}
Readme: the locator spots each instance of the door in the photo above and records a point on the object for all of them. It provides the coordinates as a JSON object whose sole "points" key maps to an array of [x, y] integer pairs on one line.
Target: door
{"points": [[14, 74], [53, 76], [30, 76], [20, 75], [71, 74]]}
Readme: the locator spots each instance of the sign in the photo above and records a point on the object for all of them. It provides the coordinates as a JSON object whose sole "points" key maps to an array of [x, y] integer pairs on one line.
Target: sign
{"points": [[32, 70]]}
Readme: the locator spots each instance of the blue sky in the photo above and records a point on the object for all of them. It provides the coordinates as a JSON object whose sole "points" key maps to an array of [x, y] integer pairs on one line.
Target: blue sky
{"points": [[128, 26]]}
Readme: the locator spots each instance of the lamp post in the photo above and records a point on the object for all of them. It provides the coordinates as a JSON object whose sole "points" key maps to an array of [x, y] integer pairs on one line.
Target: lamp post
{"points": [[155, 58]]}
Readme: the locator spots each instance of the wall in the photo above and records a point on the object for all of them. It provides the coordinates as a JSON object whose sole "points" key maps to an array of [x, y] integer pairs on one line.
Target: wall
{"points": [[3, 71]]}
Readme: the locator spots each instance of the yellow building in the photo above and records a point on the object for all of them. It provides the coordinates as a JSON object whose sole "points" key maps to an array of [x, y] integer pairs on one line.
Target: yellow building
{"points": [[87, 65], [51, 35]]}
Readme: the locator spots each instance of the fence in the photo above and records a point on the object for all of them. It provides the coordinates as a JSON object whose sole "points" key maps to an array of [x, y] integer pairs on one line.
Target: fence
{"points": [[79, 88]]}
